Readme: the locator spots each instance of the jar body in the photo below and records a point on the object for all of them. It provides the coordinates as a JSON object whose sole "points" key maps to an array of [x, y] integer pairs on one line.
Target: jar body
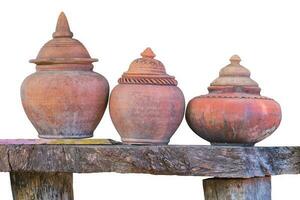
{"points": [[65, 104], [233, 119], [146, 114]]}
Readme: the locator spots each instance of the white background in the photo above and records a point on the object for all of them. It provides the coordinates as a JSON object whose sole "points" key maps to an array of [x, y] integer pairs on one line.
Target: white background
{"points": [[194, 39]]}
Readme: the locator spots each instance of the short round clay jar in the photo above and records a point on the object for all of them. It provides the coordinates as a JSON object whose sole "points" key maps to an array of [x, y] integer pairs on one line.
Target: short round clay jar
{"points": [[64, 98], [146, 107], [234, 112]]}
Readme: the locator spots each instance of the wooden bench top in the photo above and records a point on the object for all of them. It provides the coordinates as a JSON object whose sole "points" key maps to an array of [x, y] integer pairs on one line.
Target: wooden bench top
{"points": [[98, 155]]}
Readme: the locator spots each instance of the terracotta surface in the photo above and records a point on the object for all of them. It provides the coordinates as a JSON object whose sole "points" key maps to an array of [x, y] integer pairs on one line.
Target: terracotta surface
{"points": [[64, 98], [146, 107], [233, 112]]}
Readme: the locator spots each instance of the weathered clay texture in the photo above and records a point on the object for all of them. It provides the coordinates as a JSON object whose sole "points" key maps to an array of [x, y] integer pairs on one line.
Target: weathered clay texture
{"points": [[146, 107], [233, 112], [64, 98]]}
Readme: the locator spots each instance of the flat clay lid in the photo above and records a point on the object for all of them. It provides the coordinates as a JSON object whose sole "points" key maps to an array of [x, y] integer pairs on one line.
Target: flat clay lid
{"points": [[234, 74], [63, 48], [147, 70]]}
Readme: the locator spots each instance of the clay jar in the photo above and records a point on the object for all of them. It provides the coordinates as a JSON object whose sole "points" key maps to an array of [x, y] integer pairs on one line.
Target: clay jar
{"points": [[234, 112], [64, 98], [146, 107]]}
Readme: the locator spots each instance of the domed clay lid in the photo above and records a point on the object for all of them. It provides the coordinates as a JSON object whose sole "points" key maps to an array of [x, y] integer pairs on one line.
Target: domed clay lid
{"points": [[63, 49], [234, 77], [147, 70]]}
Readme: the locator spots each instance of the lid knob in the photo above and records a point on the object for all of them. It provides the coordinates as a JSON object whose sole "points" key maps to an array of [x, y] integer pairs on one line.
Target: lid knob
{"points": [[148, 53], [235, 59], [62, 27]]}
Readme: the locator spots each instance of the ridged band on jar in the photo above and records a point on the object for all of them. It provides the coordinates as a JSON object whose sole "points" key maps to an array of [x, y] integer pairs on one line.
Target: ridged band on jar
{"points": [[168, 80]]}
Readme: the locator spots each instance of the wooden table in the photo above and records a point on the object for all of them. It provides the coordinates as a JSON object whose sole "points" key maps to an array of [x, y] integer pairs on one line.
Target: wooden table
{"points": [[42, 169]]}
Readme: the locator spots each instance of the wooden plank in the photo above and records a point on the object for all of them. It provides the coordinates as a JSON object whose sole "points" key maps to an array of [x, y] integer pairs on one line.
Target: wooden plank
{"points": [[41, 186], [59, 141], [237, 189], [215, 161]]}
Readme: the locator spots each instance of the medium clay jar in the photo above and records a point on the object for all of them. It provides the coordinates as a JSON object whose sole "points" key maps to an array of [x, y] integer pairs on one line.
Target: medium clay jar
{"points": [[64, 98], [234, 112], [146, 107]]}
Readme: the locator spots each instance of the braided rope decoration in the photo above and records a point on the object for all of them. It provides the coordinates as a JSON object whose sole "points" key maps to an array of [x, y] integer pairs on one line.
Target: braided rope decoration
{"points": [[234, 96], [148, 80]]}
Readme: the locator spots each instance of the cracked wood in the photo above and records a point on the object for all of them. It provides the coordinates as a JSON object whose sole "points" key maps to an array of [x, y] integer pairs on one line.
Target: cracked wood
{"points": [[186, 160]]}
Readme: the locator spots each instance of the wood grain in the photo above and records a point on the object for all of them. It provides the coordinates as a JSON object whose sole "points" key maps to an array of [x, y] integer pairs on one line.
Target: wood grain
{"points": [[237, 189], [185, 160], [41, 186]]}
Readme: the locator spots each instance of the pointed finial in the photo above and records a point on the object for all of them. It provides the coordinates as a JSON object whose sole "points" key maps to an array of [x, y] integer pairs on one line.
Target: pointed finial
{"points": [[62, 27], [148, 53], [235, 59]]}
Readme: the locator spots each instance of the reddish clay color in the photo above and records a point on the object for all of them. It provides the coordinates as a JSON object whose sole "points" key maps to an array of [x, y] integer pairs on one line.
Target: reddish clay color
{"points": [[233, 112], [146, 107], [64, 98]]}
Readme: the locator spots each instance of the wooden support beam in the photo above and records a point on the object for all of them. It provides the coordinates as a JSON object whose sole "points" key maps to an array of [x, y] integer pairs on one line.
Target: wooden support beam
{"points": [[184, 160], [237, 188], [41, 186]]}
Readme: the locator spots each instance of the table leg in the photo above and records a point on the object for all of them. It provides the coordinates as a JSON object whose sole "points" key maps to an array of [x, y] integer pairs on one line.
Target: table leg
{"points": [[237, 188], [41, 186]]}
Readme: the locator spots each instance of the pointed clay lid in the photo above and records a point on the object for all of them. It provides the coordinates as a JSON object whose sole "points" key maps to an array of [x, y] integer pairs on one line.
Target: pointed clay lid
{"points": [[63, 49], [147, 70], [234, 74]]}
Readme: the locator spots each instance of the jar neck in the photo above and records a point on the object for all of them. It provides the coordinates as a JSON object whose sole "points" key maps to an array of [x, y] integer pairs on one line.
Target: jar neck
{"points": [[234, 89]]}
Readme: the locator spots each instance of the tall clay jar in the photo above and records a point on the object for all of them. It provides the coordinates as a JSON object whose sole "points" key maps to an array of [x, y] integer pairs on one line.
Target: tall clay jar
{"points": [[146, 107], [64, 98], [234, 112]]}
